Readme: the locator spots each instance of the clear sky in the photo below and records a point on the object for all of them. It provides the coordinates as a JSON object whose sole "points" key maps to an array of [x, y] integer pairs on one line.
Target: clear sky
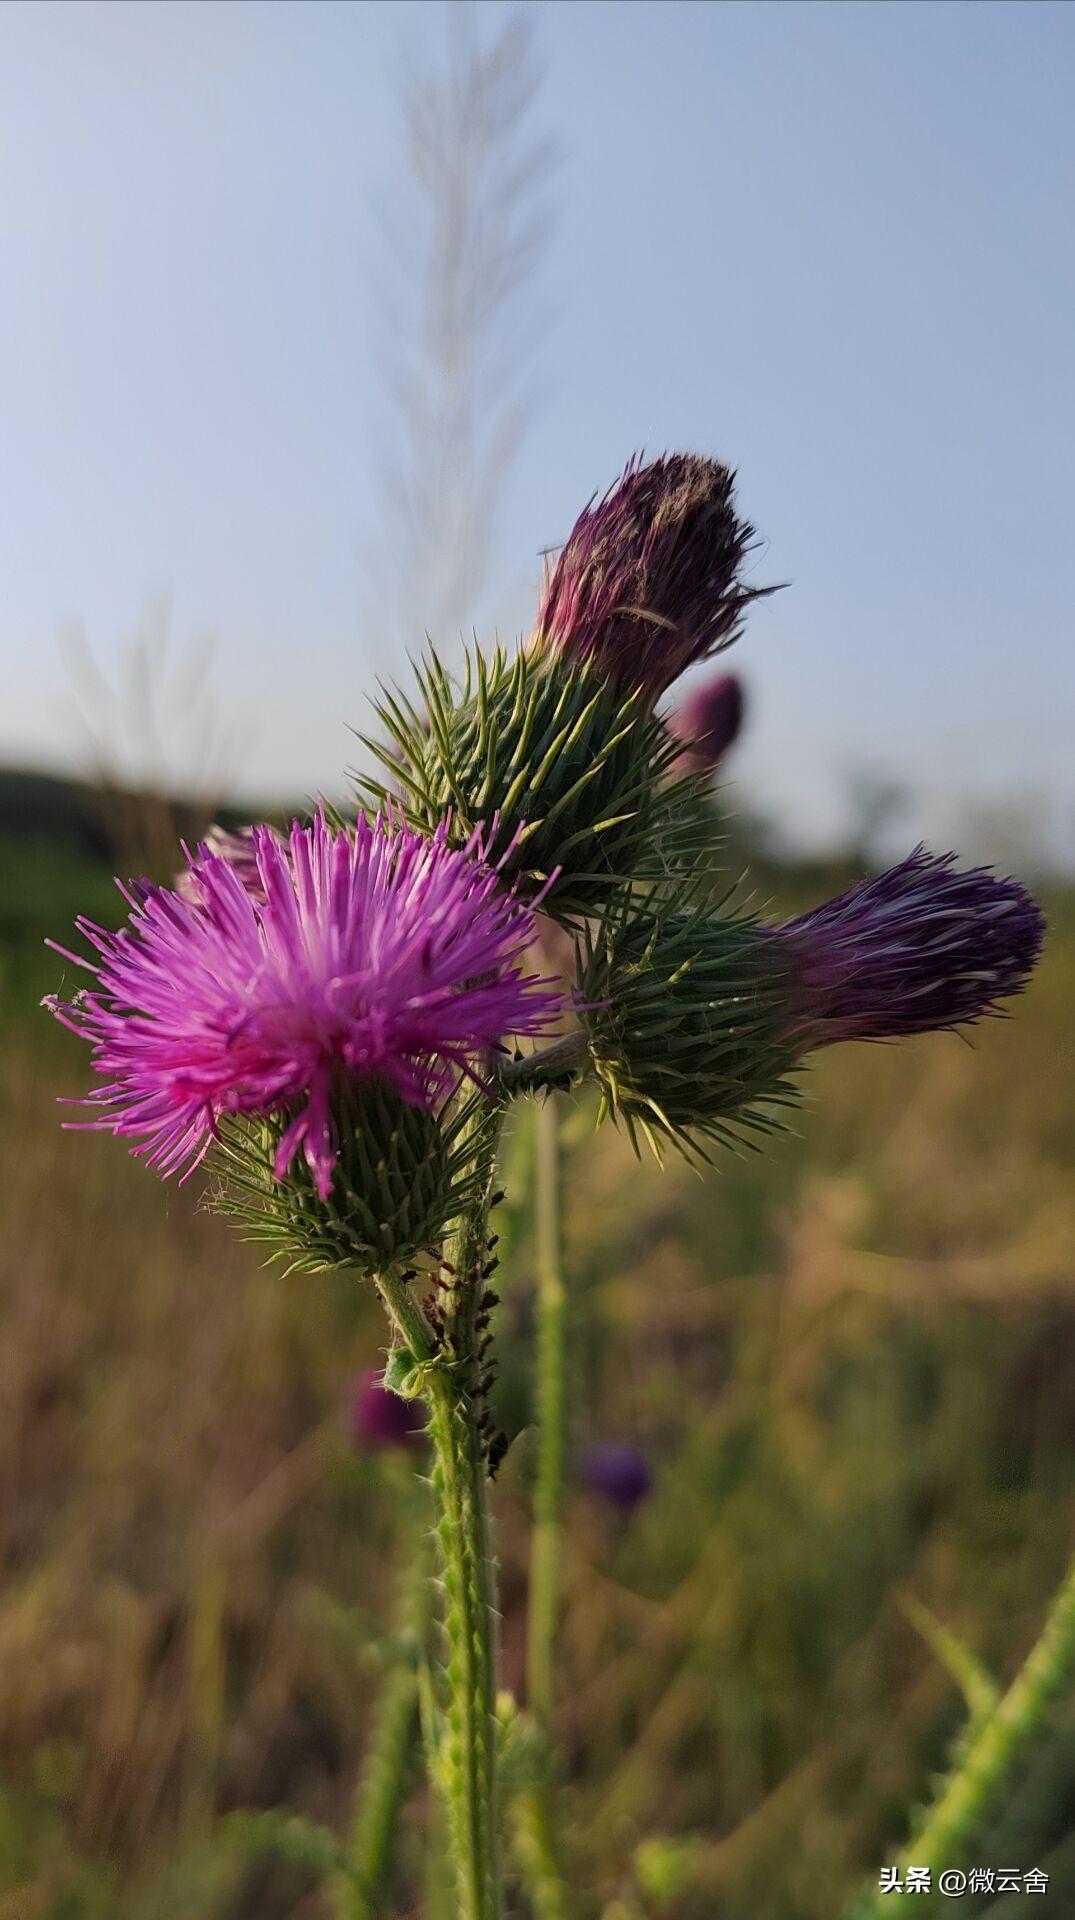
{"points": [[830, 243]]}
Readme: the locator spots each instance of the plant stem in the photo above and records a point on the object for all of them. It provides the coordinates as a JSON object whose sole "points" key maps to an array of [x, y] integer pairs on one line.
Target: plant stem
{"points": [[532, 1813], [206, 1694], [537, 1854], [564, 1059], [385, 1775], [950, 1824], [466, 1760], [551, 1407]]}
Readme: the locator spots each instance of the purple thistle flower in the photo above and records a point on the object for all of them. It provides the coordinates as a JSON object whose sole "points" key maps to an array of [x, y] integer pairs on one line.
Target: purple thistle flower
{"points": [[617, 1473], [377, 954], [920, 948], [648, 582], [239, 849], [708, 722], [380, 1420]]}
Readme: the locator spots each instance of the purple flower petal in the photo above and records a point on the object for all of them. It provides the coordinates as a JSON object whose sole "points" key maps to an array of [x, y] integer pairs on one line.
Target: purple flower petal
{"points": [[920, 948]]}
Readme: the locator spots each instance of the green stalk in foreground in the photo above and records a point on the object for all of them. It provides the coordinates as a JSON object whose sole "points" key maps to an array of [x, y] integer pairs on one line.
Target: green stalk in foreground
{"points": [[551, 1409], [443, 1373], [383, 1786], [952, 1822], [533, 1826]]}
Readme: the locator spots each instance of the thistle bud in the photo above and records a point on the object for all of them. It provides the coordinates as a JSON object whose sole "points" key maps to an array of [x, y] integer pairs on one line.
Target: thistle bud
{"points": [[556, 755], [617, 1473], [708, 722], [648, 582], [564, 776], [380, 1420], [697, 1026], [399, 1176], [689, 1025], [918, 949]]}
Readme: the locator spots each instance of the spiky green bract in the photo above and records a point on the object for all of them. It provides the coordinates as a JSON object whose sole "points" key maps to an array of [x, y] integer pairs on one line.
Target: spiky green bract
{"points": [[687, 1018], [571, 781], [401, 1176]]}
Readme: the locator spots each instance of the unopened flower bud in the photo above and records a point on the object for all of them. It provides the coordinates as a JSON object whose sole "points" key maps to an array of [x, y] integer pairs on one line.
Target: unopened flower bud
{"points": [[697, 1026], [688, 1022], [917, 949], [564, 775], [648, 582], [399, 1176], [708, 722]]}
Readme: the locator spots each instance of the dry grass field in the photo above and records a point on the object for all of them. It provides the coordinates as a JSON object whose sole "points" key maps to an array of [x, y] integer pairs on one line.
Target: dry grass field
{"points": [[851, 1363]]}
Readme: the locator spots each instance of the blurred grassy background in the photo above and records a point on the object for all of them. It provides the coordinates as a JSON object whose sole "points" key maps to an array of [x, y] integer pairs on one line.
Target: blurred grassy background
{"points": [[851, 1363]]}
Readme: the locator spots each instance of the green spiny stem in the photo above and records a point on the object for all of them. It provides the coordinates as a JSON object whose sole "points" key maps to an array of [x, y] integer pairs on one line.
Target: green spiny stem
{"points": [[466, 1759], [383, 1786], [992, 1753], [551, 1408], [537, 1855], [438, 1901], [467, 1247], [533, 1822]]}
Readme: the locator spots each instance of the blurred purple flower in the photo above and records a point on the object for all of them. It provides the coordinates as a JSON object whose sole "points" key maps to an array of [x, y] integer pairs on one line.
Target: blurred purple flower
{"points": [[648, 582], [239, 849], [617, 1473], [708, 722], [375, 953], [380, 1419], [920, 948]]}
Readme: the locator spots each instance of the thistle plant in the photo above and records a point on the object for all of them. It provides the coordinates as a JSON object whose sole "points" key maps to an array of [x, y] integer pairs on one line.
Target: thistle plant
{"points": [[335, 1023]]}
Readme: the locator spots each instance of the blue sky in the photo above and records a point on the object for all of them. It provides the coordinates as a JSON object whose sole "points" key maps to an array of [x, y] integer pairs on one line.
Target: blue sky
{"points": [[830, 243]]}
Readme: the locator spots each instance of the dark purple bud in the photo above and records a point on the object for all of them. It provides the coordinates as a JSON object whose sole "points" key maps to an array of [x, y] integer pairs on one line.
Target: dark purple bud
{"points": [[380, 1419], [920, 948], [708, 722], [617, 1473], [648, 582]]}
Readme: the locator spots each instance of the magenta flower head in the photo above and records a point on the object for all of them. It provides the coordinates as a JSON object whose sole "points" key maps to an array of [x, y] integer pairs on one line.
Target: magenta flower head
{"points": [[617, 1473], [920, 948], [380, 1420], [376, 957], [648, 582], [708, 722]]}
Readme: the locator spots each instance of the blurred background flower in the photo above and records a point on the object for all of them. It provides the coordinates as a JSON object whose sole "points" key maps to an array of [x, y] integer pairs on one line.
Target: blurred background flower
{"points": [[617, 1473], [380, 1420], [709, 722]]}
